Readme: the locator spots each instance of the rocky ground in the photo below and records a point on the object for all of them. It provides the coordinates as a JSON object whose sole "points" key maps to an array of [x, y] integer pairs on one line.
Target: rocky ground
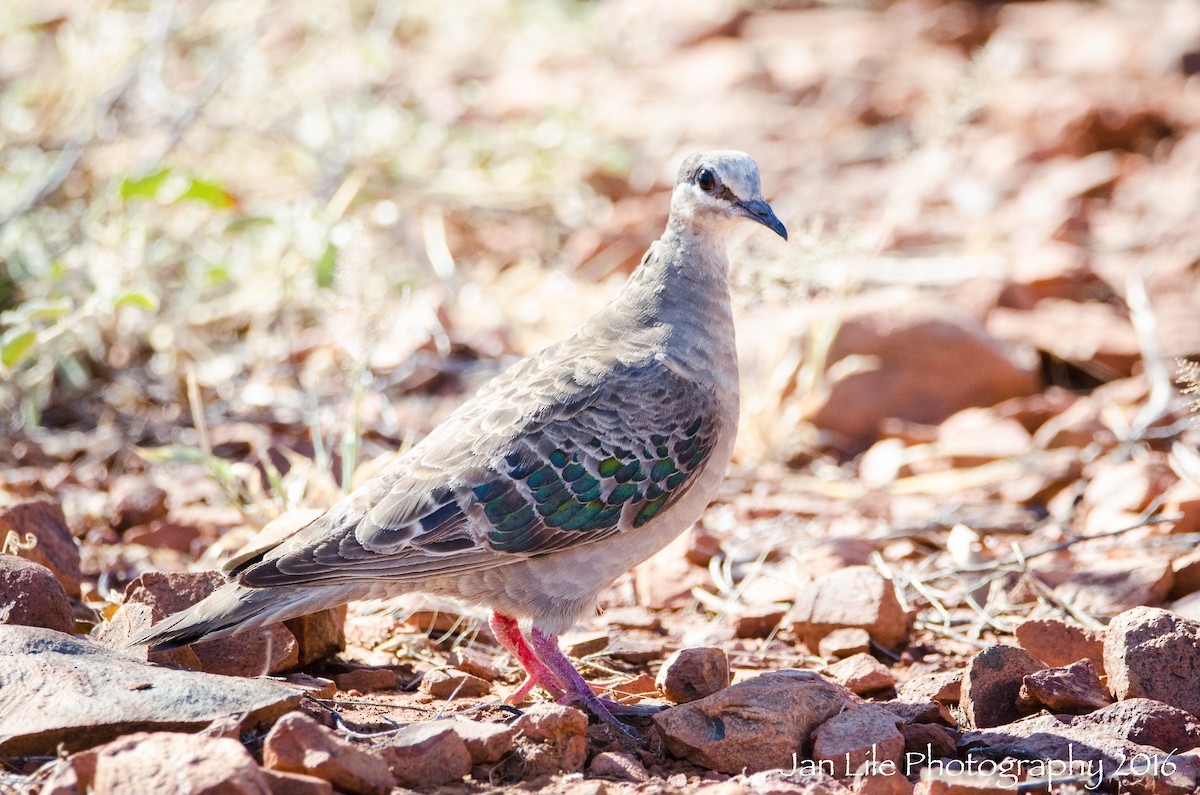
{"points": [[247, 252]]}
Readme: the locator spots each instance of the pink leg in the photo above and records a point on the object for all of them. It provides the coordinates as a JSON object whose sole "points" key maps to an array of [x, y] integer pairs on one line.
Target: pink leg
{"points": [[546, 648], [508, 632]]}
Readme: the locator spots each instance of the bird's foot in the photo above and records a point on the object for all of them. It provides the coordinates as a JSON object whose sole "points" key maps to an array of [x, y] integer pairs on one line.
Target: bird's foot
{"points": [[578, 690]]}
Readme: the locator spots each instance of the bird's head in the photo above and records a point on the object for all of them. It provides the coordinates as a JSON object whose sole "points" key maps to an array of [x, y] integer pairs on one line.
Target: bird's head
{"points": [[714, 189]]}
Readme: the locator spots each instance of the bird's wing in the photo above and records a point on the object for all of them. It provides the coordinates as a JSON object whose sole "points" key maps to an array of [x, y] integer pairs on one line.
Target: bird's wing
{"points": [[556, 454]]}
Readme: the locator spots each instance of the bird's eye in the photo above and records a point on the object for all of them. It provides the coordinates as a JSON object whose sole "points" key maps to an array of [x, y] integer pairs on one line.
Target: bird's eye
{"points": [[706, 180]]}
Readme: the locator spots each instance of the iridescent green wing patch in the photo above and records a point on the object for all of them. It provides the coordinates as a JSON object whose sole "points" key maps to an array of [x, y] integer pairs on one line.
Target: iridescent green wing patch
{"points": [[579, 489]]}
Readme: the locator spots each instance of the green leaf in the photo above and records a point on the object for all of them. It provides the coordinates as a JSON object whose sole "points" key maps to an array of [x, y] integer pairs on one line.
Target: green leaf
{"points": [[327, 266], [146, 187], [136, 298], [44, 308], [16, 347], [210, 193], [247, 223]]}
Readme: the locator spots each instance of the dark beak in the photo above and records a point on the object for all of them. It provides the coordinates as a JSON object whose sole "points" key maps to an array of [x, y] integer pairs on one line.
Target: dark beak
{"points": [[760, 211]]}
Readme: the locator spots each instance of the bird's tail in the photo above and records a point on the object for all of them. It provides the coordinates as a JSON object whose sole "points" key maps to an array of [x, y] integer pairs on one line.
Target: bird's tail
{"points": [[233, 608]]}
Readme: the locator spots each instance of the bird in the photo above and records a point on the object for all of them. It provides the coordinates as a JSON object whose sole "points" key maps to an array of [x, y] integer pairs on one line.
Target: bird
{"points": [[560, 474]]}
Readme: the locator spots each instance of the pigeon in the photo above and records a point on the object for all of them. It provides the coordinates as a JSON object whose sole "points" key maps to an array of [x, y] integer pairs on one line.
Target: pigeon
{"points": [[562, 473]]}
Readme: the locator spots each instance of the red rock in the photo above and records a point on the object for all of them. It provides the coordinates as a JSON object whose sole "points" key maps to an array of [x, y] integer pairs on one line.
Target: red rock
{"points": [[586, 644], [280, 783], [945, 687], [1186, 575], [127, 622], [953, 781], [757, 622], [691, 674], [1088, 335], [853, 597], [1147, 722], [619, 766], [163, 535], [135, 500], [975, 436], [1129, 485], [1058, 643], [558, 738], [42, 523], [318, 635], [161, 763], [474, 662], [486, 742], [1110, 586], [1152, 653], [30, 595], [448, 683], [929, 361], [991, 684], [243, 654], [919, 711], [862, 734], [428, 755], [881, 781], [298, 744], [366, 680], [757, 724], [631, 691], [1075, 689], [928, 741], [1077, 426], [317, 686], [861, 674], [1092, 752], [845, 643]]}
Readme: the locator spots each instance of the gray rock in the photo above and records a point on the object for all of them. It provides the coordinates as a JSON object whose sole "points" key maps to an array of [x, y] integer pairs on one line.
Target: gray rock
{"points": [[62, 689]]}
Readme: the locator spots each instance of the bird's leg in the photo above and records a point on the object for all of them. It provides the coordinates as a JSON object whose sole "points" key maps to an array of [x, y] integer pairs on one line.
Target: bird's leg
{"points": [[546, 648], [508, 632]]}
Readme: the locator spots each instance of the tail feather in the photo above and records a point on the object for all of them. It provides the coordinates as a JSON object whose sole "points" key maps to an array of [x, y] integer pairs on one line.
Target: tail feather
{"points": [[233, 608]]}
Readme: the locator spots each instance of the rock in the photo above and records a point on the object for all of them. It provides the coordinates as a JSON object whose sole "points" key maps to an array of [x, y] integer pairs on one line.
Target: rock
{"points": [[929, 360], [953, 781], [1087, 334], [125, 623], [448, 683], [1058, 643], [428, 755], [1186, 571], [1082, 748], [281, 783], [844, 642], [366, 680], [549, 722], [881, 781], [62, 689], [1147, 722], [161, 763], [619, 766], [925, 742], [865, 734], [1075, 689], [919, 712], [243, 654], [318, 635], [805, 781], [853, 597], [757, 622], [1130, 485], [631, 691], [42, 522], [554, 739], [486, 742], [691, 674], [298, 744], [991, 684], [30, 595], [975, 436], [1152, 653], [135, 500], [163, 534], [586, 644], [861, 674], [474, 662], [1113, 586], [637, 649], [944, 687], [757, 724]]}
